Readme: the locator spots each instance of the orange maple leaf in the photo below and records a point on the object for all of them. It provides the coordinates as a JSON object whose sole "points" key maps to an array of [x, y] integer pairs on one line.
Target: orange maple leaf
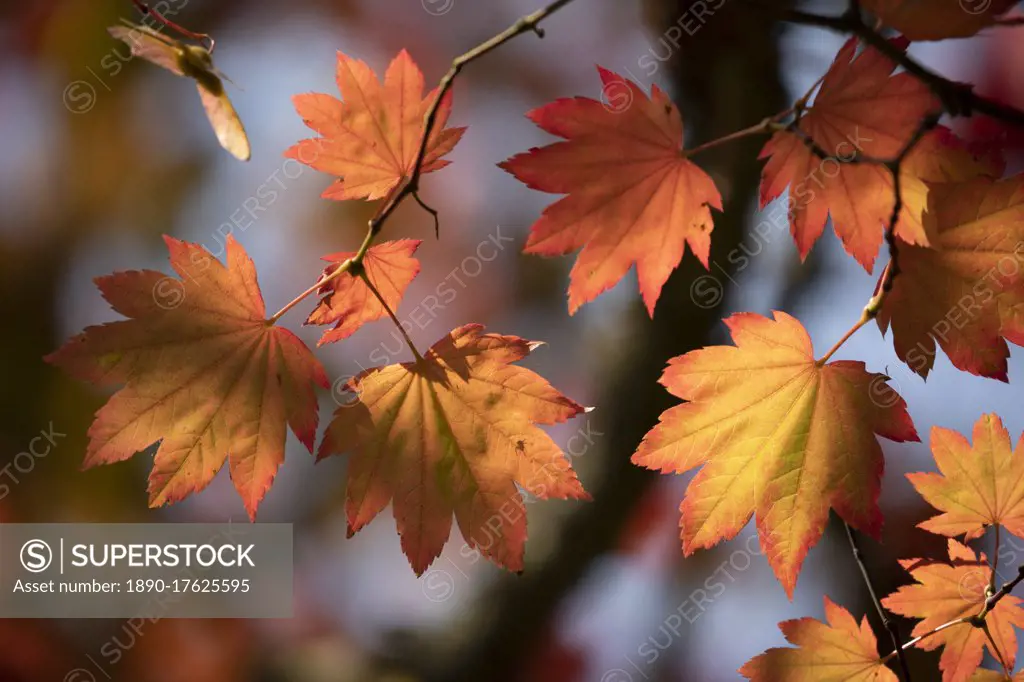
{"points": [[203, 374], [939, 156], [634, 197], [966, 292], [347, 300], [861, 107], [777, 435], [945, 592], [454, 432], [978, 487], [370, 140], [839, 651], [938, 19]]}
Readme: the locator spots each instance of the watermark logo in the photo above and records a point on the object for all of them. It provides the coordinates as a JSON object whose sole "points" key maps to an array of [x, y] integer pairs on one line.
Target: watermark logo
{"points": [[438, 8], [975, 6], [36, 556]]}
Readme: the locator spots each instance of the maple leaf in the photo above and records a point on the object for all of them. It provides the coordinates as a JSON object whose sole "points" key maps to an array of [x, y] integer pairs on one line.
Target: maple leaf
{"points": [[938, 19], [978, 487], [633, 196], [347, 300], [945, 592], [938, 157], [839, 651], [454, 432], [965, 293], [203, 373], [371, 139], [861, 107], [776, 435]]}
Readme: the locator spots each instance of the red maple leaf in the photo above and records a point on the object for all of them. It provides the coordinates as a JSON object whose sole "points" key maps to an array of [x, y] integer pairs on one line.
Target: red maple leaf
{"points": [[634, 197], [348, 301], [861, 107]]}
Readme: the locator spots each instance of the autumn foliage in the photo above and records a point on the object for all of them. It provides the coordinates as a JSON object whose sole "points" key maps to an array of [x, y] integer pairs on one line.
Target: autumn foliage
{"points": [[776, 432]]}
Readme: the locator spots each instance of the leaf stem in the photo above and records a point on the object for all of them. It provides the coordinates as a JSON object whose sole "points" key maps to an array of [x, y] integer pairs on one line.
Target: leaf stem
{"points": [[762, 127], [887, 622], [342, 269], [864, 319], [394, 318], [146, 10], [995, 564]]}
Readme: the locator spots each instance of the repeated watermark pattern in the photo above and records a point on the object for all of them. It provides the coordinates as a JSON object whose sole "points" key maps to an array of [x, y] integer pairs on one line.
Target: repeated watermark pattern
{"points": [[617, 96], [80, 95], [113, 650], [688, 611], [707, 291], [424, 313], [438, 8], [169, 292], [24, 463], [439, 584]]}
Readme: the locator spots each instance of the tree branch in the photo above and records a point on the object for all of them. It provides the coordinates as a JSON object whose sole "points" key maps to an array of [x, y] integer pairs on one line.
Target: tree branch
{"points": [[957, 99], [887, 622], [410, 186]]}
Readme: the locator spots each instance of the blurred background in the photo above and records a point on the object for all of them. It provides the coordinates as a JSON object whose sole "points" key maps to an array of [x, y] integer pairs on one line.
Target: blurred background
{"points": [[103, 154]]}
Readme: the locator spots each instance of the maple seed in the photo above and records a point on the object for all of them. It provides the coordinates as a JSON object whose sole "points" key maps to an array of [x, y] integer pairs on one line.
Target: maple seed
{"points": [[193, 62]]}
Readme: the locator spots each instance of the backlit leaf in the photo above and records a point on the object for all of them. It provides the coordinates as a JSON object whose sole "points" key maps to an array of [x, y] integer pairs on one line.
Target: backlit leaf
{"points": [[454, 433], [947, 591], [633, 196], [838, 650], [777, 436], [203, 374], [370, 139]]}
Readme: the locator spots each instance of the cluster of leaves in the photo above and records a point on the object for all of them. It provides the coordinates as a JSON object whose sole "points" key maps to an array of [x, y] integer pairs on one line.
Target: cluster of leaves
{"points": [[777, 433]]}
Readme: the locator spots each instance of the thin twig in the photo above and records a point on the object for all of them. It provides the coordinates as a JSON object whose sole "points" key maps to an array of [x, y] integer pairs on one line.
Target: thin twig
{"points": [[887, 623], [1007, 587], [524, 25], [410, 186], [431, 211], [892, 269], [995, 648]]}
